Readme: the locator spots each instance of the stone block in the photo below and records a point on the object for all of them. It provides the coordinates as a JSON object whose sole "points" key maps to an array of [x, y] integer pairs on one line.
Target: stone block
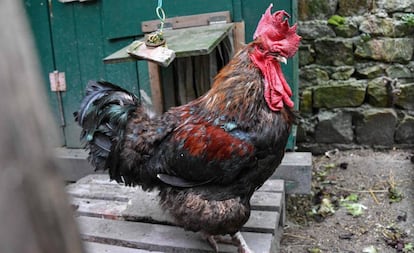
{"points": [[400, 71], [342, 72], [369, 70], [316, 9], [306, 55], [306, 101], [387, 27], [334, 51], [405, 130], [354, 7], [311, 30], [406, 97], [386, 49], [377, 92], [296, 171], [334, 127], [376, 126], [313, 75], [334, 94], [347, 29], [396, 5]]}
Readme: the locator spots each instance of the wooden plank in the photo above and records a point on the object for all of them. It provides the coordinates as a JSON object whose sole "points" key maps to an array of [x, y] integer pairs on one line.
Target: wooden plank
{"points": [[168, 85], [108, 192], [185, 21], [148, 210], [158, 237], [184, 42], [156, 89], [93, 247], [239, 40], [161, 55]]}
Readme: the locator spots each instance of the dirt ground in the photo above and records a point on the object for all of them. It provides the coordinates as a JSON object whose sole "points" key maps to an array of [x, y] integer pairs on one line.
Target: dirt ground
{"points": [[361, 201]]}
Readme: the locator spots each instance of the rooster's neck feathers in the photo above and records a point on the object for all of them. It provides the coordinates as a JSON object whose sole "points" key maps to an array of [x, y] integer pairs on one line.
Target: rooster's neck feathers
{"points": [[237, 91]]}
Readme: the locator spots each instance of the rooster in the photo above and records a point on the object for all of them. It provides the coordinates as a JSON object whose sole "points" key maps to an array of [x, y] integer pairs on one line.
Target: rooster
{"points": [[209, 156]]}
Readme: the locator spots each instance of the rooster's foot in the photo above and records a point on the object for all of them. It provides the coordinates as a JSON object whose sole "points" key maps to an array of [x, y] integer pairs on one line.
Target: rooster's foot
{"points": [[211, 240], [236, 240]]}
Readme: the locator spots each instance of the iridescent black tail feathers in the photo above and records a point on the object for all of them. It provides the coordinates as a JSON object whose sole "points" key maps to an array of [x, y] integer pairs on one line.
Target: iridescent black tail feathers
{"points": [[103, 114]]}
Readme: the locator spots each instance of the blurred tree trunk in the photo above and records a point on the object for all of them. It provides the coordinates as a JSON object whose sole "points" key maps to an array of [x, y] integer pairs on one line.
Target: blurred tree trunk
{"points": [[34, 211]]}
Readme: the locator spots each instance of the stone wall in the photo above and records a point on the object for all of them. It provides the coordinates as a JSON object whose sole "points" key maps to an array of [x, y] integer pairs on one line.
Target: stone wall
{"points": [[356, 74]]}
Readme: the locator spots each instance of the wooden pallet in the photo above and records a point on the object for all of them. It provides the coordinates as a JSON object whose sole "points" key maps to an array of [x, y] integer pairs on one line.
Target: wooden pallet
{"points": [[115, 218]]}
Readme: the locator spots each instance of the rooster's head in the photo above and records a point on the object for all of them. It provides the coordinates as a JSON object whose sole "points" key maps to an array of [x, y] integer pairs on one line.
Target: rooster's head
{"points": [[274, 42], [275, 36]]}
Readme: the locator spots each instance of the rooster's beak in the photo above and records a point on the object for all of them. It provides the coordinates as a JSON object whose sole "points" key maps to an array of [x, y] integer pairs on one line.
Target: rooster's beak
{"points": [[281, 59]]}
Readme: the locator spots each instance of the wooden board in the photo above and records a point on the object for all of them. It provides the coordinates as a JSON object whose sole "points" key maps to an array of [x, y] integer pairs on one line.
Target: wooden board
{"points": [[112, 216], [186, 21], [184, 42]]}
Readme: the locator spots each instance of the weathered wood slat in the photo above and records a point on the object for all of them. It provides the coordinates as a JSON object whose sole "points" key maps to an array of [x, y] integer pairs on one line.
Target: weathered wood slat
{"points": [[145, 210], [156, 237], [185, 42], [93, 247], [185, 21]]}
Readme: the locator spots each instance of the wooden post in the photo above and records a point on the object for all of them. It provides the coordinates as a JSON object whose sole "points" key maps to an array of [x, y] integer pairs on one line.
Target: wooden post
{"points": [[239, 36], [35, 214], [156, 87]]}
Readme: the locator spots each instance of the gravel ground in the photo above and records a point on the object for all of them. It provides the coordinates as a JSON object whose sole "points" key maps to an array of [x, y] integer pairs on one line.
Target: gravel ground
{"points": [[362, 201]]}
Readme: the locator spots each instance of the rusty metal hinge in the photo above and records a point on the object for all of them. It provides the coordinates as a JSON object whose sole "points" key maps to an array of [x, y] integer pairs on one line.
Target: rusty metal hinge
{"points": [[57, 81]]}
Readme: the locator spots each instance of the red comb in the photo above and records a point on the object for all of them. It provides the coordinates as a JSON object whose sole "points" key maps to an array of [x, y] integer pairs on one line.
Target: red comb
{"points": [[276, 35]]}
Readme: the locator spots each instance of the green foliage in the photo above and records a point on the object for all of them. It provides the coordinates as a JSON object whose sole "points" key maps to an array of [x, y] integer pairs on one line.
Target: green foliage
{"points": [[336, 20], [353, 208], [351, 198], [314, 250], [408, 19], [408, 247]]}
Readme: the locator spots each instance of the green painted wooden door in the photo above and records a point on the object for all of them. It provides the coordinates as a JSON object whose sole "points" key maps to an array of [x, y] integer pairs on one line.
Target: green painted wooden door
{"points": [[74, 37], [70, 39]]}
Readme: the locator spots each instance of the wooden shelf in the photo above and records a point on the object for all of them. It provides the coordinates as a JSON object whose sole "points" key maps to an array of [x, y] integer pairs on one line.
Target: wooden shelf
{"points": [[192, 41]]}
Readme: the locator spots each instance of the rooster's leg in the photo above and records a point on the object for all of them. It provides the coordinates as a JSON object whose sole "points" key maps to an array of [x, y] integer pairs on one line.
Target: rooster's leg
{"points": [[241, 243], [211, 240]]}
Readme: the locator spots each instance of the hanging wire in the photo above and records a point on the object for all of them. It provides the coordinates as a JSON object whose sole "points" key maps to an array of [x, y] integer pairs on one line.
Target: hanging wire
{"points": [[161, 14], [157, 39]]}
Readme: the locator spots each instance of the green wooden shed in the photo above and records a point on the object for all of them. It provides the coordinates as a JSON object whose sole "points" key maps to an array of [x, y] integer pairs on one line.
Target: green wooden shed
{"points": [[75, 36]]}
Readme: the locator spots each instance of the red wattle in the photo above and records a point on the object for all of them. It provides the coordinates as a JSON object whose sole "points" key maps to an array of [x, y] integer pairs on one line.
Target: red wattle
{"points": [[277, 91]]}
